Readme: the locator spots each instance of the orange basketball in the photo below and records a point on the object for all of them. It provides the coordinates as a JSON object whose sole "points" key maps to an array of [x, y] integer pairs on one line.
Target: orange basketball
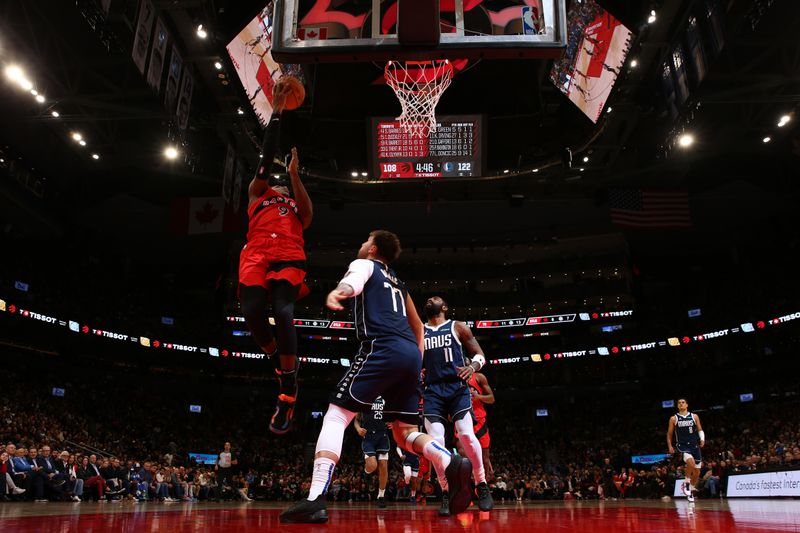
{"points": [[297, 93]]}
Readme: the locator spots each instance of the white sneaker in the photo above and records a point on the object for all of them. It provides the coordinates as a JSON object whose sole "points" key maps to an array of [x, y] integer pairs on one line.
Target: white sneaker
{"points": [[687, 489], [690, 497], [76, 499], [18, 490]]}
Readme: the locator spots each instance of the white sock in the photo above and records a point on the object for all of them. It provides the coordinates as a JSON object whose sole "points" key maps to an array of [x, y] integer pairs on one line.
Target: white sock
{"points": [[381, 492], [321, 477], [472, 448], [413, 493], [407, 474], [440, 458]]}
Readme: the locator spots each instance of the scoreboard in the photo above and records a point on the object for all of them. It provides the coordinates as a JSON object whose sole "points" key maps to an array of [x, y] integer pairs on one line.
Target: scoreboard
{"points": [[454, 150]]}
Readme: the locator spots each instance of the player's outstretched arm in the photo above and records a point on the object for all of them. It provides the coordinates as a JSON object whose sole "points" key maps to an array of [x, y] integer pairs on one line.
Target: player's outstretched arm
{"points": [[260, 183], [304, 206], [670, 431], [415, 323]]}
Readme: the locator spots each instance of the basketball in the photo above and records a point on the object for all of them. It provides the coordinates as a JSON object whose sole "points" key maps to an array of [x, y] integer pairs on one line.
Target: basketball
{"points": [[297, 93]]}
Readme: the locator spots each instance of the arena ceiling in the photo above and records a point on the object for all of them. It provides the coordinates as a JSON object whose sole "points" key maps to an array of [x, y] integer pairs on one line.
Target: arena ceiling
{"points": [[83, 64]]}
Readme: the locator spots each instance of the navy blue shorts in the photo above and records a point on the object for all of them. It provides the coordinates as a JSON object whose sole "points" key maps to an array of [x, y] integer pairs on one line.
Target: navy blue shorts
{"points": [[412, 461], [443, 400], [383, 367], [690, 449], [375, 443]]}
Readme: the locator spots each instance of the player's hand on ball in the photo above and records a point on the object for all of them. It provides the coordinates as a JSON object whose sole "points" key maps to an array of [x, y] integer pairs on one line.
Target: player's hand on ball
{"points": [[279, 94], [334, 299]]}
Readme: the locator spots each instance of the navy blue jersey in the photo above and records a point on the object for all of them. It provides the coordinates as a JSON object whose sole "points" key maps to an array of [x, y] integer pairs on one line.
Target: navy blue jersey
{"points": [[380, 310], [685, 430], [443, 354], [372, 420]]}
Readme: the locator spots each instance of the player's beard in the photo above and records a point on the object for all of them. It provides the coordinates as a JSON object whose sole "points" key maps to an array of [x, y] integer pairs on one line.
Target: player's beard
{"points": [[433, 309]]}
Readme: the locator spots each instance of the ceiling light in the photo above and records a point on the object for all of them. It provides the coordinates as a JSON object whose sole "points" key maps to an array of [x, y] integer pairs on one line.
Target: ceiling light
{"points": [[586, 159], [82, 142], [685, 140], [14, 73], [608, 110], [170, 152], [240, 111], [364, 174], [784, 120], [25, 84], [77, 136], [634, 63], [40, 98], [34, 92], [766, 139], [55, 113], [536, 170], [354, 174], [202, 34], [652, 18], [217, 65], [95, 156]]}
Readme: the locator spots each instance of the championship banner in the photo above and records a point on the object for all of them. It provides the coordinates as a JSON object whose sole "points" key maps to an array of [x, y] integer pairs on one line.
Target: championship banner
{"points": [[173, 79], [227, 174], [185, 99], [765, 484], [144, 31], [158, 55]]}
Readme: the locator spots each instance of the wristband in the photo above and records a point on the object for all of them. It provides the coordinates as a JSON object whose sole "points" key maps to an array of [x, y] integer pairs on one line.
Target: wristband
{"points": [[702, 435], [478, 358]]}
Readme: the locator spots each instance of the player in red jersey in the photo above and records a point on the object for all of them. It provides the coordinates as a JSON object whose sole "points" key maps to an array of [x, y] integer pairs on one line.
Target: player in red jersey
{"points": [[482, 394], [272, 265]]}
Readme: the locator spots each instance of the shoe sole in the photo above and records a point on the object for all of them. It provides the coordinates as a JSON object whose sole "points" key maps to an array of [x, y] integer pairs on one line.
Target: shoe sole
{"points": [[460, 494], [320, 517]]}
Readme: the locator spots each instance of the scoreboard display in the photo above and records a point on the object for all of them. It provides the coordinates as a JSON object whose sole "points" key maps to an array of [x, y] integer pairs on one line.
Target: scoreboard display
{"points": [[454, 150]]}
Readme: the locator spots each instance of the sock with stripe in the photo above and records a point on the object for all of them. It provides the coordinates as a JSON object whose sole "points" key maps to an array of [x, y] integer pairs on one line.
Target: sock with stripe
{"points": [[321, 477]]}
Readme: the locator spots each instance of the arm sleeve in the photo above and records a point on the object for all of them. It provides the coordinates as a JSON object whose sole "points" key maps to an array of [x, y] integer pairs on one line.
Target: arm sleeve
{"points": [[357, 275], [269, 146]]}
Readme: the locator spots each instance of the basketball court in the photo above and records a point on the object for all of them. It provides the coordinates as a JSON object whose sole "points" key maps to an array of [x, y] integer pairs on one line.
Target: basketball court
{"points": [[629, 516]]}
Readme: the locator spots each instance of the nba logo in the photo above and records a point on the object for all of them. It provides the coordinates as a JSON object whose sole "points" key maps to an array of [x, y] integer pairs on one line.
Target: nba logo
{"points": [[530, 21]]}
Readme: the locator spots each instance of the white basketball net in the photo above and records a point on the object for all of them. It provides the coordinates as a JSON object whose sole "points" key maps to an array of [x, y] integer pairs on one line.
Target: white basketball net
{"points": [[418, 86]]}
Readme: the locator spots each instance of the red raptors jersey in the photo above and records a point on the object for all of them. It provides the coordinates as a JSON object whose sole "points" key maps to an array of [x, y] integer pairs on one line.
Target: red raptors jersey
{"points": [[274, 215], [477, 405]]}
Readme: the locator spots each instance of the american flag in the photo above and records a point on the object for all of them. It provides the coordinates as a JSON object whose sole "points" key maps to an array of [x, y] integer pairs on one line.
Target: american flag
{"points": [[635, 208]]}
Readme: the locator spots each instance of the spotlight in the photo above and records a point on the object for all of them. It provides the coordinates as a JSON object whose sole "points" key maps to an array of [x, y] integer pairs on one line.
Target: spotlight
{"points": [[634, 63], [40, 98], [14, 73], [95, 157], [77, 136], [170, 152], [652, 18], [201, 33], [608, 110], [784, 120], [240, 111], [25, 84], [364, 174], [354, 174], [766, 139], [686, 140], [82, 142], [34, 92], [217, 65], [505, 171], [586, 159], [56, 114], [535, 170]]}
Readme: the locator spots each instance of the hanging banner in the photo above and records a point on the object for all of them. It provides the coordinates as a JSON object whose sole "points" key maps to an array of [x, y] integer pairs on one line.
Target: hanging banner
{"points": [[158, 55], [144, 33]]}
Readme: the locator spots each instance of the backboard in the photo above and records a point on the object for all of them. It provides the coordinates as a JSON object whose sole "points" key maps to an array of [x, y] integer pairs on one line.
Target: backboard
{"points": [[309, 31]]}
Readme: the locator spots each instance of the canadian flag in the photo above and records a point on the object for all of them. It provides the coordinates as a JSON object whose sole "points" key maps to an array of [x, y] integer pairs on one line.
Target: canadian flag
{"points": [[312, 34], [196, 216]]}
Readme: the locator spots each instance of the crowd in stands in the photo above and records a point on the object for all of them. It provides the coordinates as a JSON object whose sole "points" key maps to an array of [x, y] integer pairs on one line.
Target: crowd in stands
{"points": [[114, 437]]}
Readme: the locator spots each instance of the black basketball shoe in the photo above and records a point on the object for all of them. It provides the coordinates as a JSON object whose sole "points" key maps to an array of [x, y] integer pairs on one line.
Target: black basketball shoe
{"points": [[444, 510], [306, 512], [485, 502], [458, 480]]}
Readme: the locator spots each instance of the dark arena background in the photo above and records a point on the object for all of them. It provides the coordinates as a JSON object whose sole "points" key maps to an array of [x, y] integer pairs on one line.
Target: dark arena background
{"points": [[610, 204]]}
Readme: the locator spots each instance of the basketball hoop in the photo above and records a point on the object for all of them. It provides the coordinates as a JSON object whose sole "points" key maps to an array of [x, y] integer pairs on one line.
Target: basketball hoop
{"points": [[418, 86]]}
